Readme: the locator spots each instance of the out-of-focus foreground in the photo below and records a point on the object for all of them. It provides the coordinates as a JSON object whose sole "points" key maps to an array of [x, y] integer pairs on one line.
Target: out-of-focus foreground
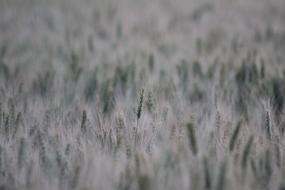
{"points": [[142, 94]]}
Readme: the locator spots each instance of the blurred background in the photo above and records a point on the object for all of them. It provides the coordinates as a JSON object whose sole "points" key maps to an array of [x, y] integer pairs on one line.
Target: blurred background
{"points": [[44, 29]]}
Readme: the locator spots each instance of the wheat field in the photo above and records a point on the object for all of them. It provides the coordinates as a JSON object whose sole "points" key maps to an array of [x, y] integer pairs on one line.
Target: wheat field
{"points": [[142, 94]]}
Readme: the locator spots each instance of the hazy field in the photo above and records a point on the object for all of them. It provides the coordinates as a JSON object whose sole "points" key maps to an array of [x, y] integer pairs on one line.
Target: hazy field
{"points": [[142, 94]]}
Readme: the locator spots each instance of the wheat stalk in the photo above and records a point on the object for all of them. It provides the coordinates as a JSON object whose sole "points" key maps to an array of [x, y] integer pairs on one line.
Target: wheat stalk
{"points": [[140, 105], [208, 182], [222, 176], [235, 136], [192, 138], [246, 152], [83, 121]]}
